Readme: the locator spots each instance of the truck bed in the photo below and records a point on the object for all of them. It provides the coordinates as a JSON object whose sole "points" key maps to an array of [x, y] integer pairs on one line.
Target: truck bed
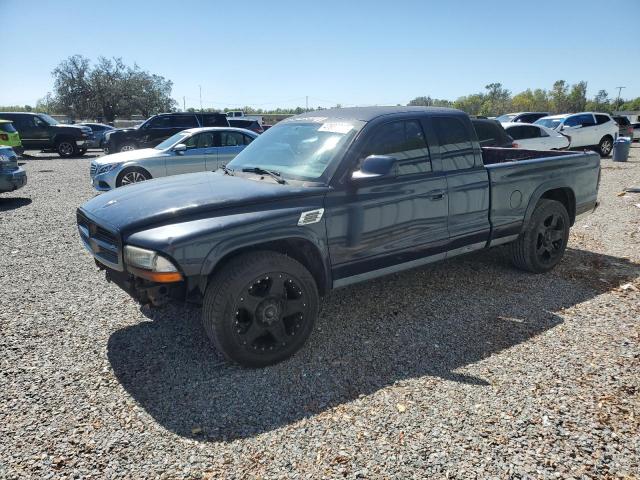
{"points": [[493, 155], [519, 177]]}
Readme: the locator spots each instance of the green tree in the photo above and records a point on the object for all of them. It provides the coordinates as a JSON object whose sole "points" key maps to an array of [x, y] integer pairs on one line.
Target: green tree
{"points": [[559, 97], [470, 103], [577, 98], [497, 100], [109, 89]]}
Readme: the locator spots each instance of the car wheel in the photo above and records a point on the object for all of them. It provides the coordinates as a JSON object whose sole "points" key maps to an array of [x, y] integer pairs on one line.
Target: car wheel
{"points": [[605, 146], [66, 148], [541, 246], [127, 147], [132, 175], [260, 308]]}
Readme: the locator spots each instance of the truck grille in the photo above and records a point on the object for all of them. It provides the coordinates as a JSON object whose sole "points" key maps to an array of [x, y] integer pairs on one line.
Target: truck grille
{"points": [[103, 244]]}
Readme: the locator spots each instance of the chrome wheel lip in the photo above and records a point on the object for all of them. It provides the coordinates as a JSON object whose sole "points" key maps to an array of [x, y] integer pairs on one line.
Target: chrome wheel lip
{"points": [[606, 146]]}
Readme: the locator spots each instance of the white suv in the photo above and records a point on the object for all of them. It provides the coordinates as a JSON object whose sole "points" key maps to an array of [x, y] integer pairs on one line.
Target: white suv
{"points": [[586, 129]]}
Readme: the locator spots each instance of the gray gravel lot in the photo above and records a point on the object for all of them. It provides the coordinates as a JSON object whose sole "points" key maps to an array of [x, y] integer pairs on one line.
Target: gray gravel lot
{"points": [[465, 369]]}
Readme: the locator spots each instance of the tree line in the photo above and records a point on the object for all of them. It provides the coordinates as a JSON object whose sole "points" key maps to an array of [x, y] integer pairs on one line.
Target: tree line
{"points": [[561, 98]]}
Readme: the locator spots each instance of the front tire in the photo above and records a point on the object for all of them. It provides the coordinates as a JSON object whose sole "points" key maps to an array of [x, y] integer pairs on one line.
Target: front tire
{"points": [[132, 175], [541, 246], [260, 308], [605, 147], [66, 148]]}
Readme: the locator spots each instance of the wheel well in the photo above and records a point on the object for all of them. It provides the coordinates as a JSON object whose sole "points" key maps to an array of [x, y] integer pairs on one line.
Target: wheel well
{"points": [[133, 167], [59, 138], [299, 249], [566, 197]]}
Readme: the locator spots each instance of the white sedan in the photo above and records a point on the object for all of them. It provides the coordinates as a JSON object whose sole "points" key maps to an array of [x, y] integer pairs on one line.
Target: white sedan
{"points": [[536, 137]]}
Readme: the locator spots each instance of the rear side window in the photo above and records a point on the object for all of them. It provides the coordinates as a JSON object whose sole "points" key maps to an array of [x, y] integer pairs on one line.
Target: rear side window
{"points": [[247, 139], [584, 119], [231, 139], [523, 132], [405, 141], [214, 121], [455, 143], [183, 121], [7, 127]]}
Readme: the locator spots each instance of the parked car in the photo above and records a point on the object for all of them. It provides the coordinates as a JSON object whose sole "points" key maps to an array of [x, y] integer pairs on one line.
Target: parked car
{"points": [[193, 150], [522, 117], [42, 132], [491, 133], [327, 199], [252, 125], [636, 132], [586, 129], [99, 130], [12, 176], [158, 128], [536, 137], [624, 126], [9, 136]]}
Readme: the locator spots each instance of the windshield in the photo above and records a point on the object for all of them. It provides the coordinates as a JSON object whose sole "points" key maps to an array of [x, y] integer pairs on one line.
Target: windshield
{"points": [[172, 140], [507, 117], [46, 118], [549, 122], [301, 149]]}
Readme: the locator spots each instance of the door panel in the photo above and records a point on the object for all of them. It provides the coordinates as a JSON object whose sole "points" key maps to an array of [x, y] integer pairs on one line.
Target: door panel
{"points": [[372, 227], [188, 161]]}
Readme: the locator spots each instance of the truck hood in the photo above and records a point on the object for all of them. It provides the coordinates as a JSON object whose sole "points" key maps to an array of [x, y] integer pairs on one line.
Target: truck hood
{"points": [[166, 199], [130, 156]]}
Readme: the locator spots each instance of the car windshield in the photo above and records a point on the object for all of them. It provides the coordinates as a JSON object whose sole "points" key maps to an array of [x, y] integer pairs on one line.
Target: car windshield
{"points": [[549, 122], [301, 149], [172, 140], [507, 117], [46, 118]]}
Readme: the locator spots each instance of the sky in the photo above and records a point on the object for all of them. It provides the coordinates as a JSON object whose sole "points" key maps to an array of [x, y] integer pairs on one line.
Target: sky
{"points": [[272, 53]]}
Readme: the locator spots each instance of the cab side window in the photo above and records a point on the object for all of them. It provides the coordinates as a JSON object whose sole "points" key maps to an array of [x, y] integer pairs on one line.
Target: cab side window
{"points": [[403, 140], [456, 148]]}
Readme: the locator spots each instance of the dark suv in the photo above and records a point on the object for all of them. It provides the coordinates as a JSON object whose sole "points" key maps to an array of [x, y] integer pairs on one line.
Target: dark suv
{"points": [[626, 129], [491, 133], [42, 132], [159, 128]]}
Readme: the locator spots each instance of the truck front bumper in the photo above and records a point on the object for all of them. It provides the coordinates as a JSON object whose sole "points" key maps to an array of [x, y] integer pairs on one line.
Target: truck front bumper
{"points": [[12, 180]]}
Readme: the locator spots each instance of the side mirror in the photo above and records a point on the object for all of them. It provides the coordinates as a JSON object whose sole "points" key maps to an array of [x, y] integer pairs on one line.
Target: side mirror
{"points": [[376, 166], [179, 148]]}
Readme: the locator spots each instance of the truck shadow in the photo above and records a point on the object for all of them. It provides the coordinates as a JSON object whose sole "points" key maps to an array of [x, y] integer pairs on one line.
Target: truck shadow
{"points": [[12, 203], [432, 321]]}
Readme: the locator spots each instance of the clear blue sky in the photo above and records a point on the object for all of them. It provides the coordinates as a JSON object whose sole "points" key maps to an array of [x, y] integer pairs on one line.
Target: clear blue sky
{"points": [[274, 53]]}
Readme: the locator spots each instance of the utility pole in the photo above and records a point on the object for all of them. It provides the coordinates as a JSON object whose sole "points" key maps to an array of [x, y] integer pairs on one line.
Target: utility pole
{"points": [[307, 104], [184, 104], [618, 100], [200, 86]]}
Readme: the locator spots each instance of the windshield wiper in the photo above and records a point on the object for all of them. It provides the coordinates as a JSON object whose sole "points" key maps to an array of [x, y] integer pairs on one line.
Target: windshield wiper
{"points": [[261, 171], [226, 170]]}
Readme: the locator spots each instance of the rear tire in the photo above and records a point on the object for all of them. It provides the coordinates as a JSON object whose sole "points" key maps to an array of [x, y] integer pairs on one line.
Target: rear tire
{"points": [[260, 308], [541, 246], [66, 148], [605, 147]]}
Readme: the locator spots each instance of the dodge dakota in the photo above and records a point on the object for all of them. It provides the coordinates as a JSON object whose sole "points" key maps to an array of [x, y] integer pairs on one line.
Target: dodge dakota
{"points": [[323, 200]]}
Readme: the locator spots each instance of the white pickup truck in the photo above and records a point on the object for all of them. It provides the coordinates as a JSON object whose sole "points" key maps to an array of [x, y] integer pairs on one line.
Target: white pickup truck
{"points": [[239, 114]]}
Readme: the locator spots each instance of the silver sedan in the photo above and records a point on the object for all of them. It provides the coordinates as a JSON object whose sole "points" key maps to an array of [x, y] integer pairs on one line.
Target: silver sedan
{"points": [[193, 150]]}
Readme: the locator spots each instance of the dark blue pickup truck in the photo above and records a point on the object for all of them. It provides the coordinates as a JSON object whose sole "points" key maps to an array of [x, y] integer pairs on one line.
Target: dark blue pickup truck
{"points": [[327, 199]]}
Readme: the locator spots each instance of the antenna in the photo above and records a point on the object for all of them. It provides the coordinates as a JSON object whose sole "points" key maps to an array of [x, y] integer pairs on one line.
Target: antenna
{"points": [[618, 100]]}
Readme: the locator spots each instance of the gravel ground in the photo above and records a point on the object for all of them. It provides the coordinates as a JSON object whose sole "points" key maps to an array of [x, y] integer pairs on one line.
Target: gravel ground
{"points": [[465, 369]]}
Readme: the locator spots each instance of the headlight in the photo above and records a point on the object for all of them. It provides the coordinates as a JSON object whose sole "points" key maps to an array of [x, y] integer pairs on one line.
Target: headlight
{"points": [[106, 168], [4, 159], [150, 265]]}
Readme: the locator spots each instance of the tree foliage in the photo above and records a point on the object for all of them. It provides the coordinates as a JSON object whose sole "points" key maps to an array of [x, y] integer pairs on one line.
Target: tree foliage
{"points": [[107, 89]]}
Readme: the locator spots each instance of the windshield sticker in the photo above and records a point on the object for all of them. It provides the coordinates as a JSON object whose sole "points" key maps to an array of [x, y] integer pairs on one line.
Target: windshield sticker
{"points": [[336, 127]]}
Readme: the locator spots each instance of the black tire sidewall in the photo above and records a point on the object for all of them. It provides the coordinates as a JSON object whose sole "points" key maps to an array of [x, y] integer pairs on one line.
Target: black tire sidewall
{"points": [[226, 288], [542, 211], [74, 148], [602, 140]]}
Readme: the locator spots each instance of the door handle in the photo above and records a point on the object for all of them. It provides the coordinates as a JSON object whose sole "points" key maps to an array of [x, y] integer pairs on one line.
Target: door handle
{"points": [[436, 196]]}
